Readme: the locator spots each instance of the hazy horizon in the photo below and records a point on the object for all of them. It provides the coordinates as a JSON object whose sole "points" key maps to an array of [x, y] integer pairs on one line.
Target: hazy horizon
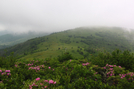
{"points": [[20, 16]]}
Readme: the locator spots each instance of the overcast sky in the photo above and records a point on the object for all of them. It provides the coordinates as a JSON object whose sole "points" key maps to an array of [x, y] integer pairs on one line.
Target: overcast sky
{"points": [[58, 15]]}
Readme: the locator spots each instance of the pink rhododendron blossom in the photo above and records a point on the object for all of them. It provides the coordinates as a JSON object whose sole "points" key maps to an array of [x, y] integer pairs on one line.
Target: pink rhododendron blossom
{"points": [[38, 68], [110, 66], [16, 65], [33, 84], [8, 74], [41, 84], [106, 64], [120, 66], [42, 66], [0, 71], [111, 69], [37, 79], [45, 80], [30, 87], [7, 71], [95, 73], [108, 73], [3, 73], [85, 64], [51, 81], [45, 86], [29, 68], [104, 67], [55, 82], [53, 69], [49, 67], [30, 64]]}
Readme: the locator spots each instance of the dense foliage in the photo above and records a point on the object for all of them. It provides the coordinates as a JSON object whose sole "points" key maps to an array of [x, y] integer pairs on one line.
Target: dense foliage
{"points": [[117, 57], [8, 40], [106, 71]]}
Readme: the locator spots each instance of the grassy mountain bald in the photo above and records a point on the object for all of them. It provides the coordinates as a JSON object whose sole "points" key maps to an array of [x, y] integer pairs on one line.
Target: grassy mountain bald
{"points": [[80, 42]]}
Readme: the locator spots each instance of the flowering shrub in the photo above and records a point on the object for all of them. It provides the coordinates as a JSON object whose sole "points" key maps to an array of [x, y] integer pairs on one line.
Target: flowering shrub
{"points": [[124, 59], [68, 74]]}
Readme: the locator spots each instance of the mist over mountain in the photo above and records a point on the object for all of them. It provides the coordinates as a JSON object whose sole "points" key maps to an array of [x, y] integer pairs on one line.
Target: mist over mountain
{"points": [[3, 32], [52, 16], [8, 38], [81, 42]]}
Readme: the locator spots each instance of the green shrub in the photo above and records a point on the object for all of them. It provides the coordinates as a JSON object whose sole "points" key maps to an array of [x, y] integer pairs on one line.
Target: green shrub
{"points": [[64, 57], [124, 59], [7, 62]]}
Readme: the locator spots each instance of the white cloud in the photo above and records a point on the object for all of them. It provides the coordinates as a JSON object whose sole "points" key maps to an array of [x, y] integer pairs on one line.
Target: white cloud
{"points": [[2, 28], [57, 15]]}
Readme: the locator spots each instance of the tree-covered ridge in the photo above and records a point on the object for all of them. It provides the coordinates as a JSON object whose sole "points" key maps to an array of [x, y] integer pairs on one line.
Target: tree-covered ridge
{"points": [[105, 71], [8, 40]]}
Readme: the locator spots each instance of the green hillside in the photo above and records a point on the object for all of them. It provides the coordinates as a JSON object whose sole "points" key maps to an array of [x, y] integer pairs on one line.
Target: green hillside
{"points": [[80, 42]]}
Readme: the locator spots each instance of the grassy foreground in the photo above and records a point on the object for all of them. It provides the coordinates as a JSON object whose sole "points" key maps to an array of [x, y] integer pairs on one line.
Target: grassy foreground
{"points": [[105, 71]]}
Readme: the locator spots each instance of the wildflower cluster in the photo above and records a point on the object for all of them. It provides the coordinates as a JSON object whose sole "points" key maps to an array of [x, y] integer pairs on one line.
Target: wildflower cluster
{"points": [[110, 71], [6, 72], [129, 76], [30, 64], [75, 74], [84, 64], [43, 83]]}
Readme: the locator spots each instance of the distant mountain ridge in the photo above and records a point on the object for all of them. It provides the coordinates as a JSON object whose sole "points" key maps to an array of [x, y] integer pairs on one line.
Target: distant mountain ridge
{"points": [[11, 39], [81, 42], [3, 32]]}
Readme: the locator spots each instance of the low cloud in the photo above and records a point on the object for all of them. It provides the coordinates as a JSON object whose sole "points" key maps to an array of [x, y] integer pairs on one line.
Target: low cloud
{"points": [[57, 15]]}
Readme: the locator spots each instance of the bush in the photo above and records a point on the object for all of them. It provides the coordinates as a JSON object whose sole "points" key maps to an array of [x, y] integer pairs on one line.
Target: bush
{"points": [[124, 59], [70, 74], [64, 57], [7, 62]]}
